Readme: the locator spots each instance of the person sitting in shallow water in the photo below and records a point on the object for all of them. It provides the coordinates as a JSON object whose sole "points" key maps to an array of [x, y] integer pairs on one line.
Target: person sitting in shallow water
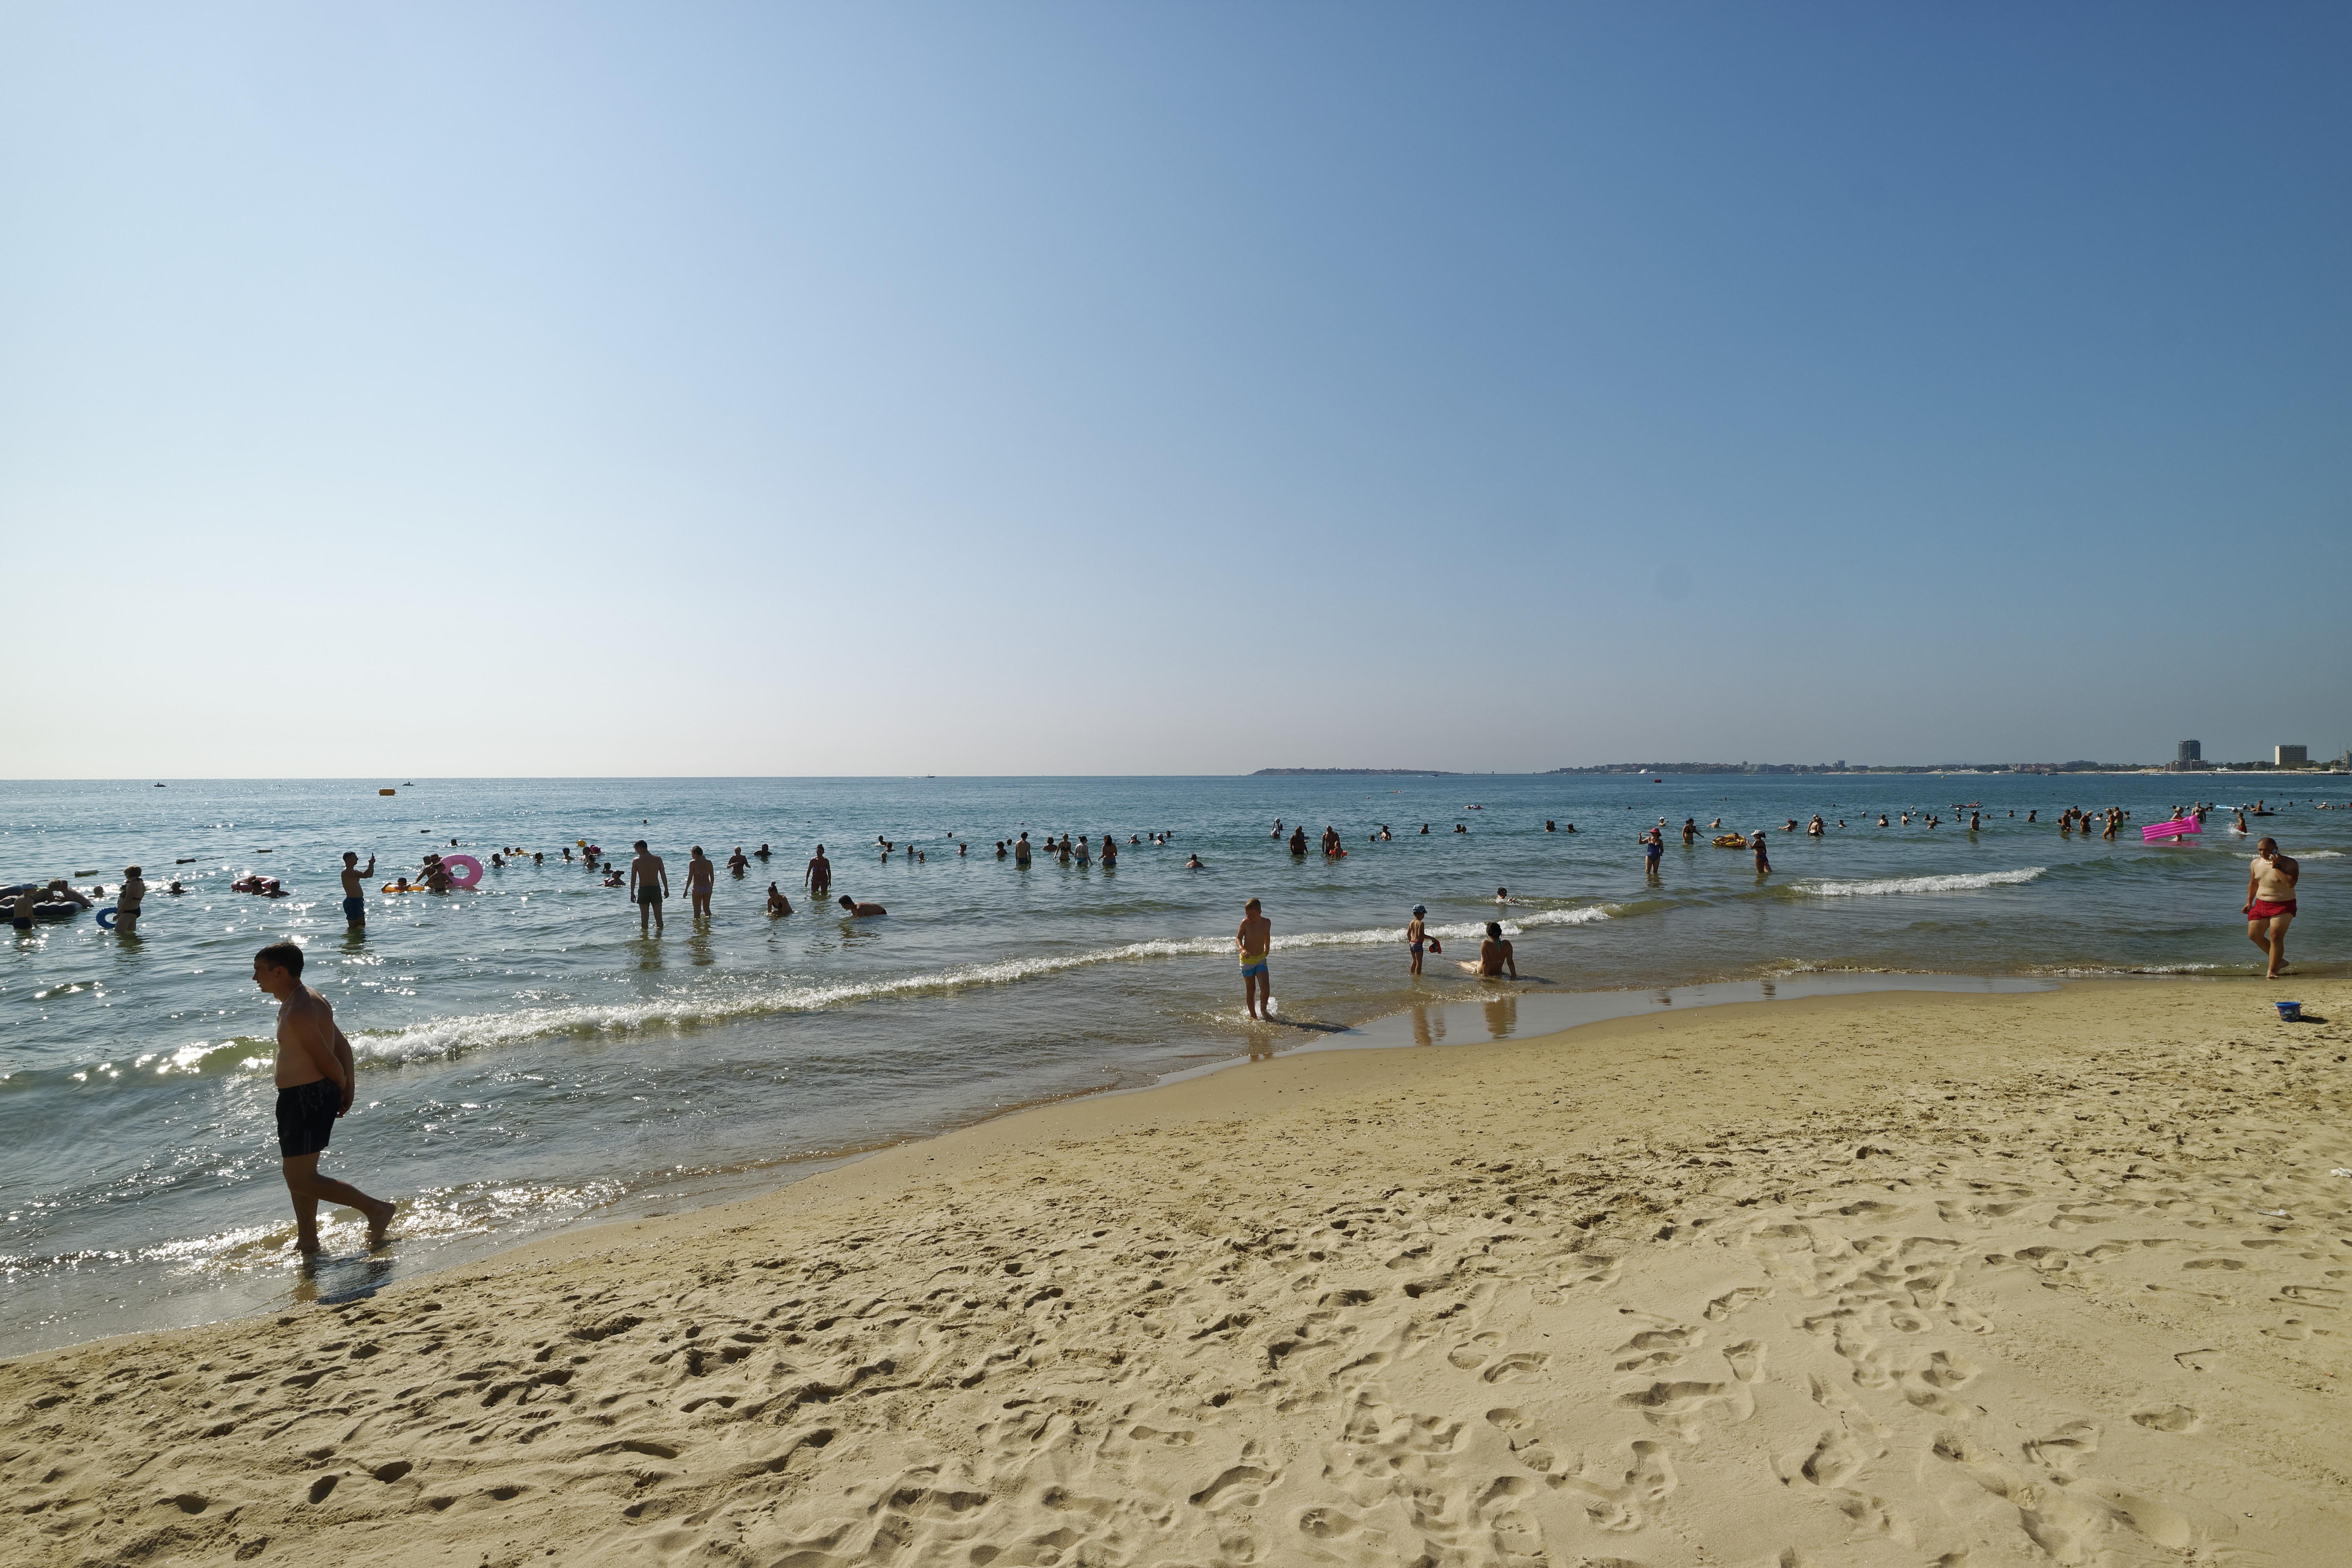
{"points": [[777, 903], [1494, 955], [861, 911]]}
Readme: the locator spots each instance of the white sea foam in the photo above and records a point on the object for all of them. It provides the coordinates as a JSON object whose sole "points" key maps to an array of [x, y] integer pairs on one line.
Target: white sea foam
{"points": [[448, 1036], [1955, 883]]}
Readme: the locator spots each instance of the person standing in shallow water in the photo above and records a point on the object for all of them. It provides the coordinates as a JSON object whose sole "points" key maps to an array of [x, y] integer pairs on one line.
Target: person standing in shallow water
{"points": [[355, 891], [316, 1080], [1416, 933], [818, 877], [648, 885], [2270, 903], [1763, 858], [699, 875], [1254, 939]]}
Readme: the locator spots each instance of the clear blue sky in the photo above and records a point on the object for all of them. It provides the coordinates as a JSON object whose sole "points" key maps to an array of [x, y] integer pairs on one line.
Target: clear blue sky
{"points": [[1023, 388]]}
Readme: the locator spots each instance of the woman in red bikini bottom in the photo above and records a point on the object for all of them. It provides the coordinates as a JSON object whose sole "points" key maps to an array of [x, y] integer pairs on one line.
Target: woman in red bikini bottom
{"points": [[2270, 903]]}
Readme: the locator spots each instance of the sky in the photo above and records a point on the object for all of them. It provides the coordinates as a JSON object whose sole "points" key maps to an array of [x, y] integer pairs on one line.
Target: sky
{"points": [[1182, 388]]}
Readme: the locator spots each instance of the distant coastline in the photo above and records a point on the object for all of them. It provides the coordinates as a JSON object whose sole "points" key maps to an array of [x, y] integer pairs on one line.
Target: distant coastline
{"points": [[1662, 769]]}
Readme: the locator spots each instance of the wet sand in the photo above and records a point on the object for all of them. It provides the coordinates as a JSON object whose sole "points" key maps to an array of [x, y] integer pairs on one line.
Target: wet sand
{"points": [[1889, 1278]]}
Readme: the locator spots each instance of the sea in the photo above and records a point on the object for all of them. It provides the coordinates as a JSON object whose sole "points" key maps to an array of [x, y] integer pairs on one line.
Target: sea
{"points": [[528, 1061]]}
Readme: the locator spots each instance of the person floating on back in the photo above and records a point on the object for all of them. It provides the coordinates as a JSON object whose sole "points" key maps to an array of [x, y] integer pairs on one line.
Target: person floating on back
{"points": [[316, 1080]]}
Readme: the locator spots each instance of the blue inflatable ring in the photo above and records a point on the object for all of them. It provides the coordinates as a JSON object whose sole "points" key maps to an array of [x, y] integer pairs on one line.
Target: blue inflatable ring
{"points": [[106, 918]]}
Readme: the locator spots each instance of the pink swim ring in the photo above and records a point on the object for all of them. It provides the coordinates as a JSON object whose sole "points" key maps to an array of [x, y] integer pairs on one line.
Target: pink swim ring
{"points": [[463, 869]]}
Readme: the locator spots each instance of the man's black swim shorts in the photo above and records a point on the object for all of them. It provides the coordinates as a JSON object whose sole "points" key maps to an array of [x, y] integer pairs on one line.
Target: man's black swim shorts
{"points": [[306, 1115]]}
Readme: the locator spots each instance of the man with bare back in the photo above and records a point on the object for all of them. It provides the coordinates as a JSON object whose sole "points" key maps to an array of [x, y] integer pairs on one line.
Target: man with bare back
{"points": [[315, 1084], [818, 877], [648, 885]]}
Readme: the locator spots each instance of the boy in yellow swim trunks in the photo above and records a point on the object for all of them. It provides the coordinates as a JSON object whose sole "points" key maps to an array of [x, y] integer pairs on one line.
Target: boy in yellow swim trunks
{"points": [[1256, 941]]}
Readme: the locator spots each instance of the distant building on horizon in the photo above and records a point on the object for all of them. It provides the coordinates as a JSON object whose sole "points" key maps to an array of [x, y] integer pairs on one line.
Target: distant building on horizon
{"points": [[2290, 757], [2191, 751]]}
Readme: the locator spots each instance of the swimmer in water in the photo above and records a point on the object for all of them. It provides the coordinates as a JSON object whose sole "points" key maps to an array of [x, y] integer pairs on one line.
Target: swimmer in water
{"points": [[738, 862], [860, 911], [1192, 863], [1503, 896], [777, 903]]}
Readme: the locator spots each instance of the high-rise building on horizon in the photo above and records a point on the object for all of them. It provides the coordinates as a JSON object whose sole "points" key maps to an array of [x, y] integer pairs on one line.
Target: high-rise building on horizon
{"points": [[2191, 751], [2291, 756]]}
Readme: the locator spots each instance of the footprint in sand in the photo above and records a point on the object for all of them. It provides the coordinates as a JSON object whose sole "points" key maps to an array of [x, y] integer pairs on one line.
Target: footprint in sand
{"points": [[1731, 1301], [1475, 1352], [2062, 1452], [2169, 1418], [1516, 1365]]}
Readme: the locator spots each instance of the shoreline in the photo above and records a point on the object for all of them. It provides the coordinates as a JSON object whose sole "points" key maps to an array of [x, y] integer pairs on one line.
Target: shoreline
{"points": [[1470, 1015], [1861, 1279]]}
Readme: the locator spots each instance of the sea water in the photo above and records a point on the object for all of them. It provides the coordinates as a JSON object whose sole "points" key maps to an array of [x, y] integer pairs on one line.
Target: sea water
{"points": [[528, 1061]]}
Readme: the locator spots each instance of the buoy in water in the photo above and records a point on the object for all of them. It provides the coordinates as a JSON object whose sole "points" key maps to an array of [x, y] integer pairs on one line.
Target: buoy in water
{"points": [[387, 792]]}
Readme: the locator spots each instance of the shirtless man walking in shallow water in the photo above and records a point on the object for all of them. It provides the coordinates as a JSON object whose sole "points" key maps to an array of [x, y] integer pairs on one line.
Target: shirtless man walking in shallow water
{"points": [[2270, 903], [315, 1083], [1255, 939]]}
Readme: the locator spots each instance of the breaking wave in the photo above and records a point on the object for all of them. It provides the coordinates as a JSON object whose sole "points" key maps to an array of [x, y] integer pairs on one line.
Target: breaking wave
{"points": [[1955, 883], [437, 1038]]}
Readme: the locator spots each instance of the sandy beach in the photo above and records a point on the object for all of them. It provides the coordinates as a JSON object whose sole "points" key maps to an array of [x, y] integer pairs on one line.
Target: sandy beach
{"points": [[1897, 1279]]}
